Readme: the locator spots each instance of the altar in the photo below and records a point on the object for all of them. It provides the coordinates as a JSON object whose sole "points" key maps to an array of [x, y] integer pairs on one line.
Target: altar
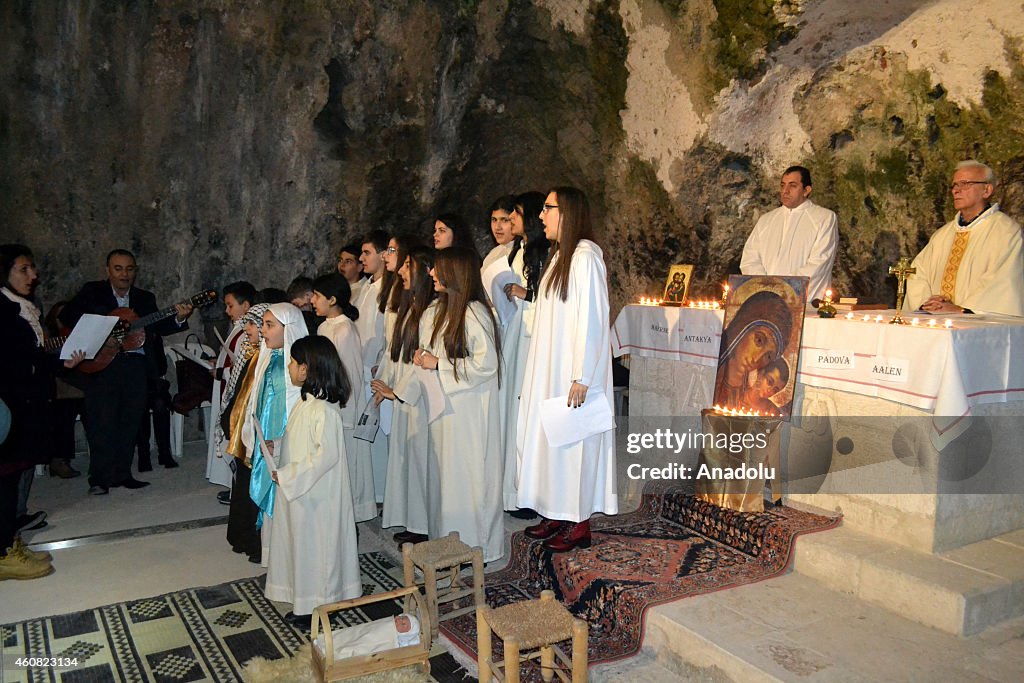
{"points": [[914, 431]]}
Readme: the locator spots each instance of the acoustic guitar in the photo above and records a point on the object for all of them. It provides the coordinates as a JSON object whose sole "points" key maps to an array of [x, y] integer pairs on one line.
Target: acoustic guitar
{"points": [[130, 333]]}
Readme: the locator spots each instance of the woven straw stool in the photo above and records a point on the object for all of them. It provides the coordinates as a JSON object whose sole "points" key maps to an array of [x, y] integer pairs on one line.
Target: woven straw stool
{"points": [[530, 625], [445, 555]]}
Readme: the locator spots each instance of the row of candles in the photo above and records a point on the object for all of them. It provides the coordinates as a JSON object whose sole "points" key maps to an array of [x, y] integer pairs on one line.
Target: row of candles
{"points": [[914, 322], [740, 412], [715, 304]]}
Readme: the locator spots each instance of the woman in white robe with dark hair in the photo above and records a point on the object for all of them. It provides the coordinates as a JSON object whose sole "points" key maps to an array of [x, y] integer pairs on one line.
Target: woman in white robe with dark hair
{"points": [[462, 344], [570, 353], [407, 491]]}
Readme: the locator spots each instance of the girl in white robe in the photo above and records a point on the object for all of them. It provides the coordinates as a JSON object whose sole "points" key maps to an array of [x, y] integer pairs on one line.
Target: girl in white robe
{"points": [[314, 559], [407, 492], [528, 256], [463, 347], [570, 353], [331, 300]]}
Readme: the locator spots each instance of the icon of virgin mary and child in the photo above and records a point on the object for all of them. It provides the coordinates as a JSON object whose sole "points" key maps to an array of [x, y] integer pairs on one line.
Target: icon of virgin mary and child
{"points": [[758, 349]]}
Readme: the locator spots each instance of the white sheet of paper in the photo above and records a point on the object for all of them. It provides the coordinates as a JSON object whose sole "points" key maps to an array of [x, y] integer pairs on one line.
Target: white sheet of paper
{"points": [[369, 422], [433, 393], [89, 334], [192, 355], [495, 277], [564, 425]]}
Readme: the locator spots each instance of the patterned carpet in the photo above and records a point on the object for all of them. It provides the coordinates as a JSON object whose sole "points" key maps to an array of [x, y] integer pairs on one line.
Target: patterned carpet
{"points": [[201, 634], [672, 547]]}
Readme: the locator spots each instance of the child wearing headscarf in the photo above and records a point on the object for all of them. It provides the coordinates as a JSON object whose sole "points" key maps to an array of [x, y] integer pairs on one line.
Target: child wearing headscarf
{"points": [[270, 403], [242, 532]]}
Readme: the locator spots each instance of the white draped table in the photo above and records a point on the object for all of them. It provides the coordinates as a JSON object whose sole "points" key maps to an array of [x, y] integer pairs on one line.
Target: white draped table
{"points": [[873, 382], [942, 371]]}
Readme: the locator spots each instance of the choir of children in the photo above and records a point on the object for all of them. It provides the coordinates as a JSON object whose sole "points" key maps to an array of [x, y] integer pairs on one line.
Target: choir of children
{"points": [[422, 350]]}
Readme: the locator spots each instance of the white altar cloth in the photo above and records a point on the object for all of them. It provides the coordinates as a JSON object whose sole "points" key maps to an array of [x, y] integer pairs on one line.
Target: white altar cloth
{"points": [[943, 371]]}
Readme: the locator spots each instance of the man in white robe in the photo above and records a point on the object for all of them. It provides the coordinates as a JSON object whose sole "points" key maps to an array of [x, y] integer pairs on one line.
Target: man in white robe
{"points": [[974, 263], [370, 325], [798, 238]]}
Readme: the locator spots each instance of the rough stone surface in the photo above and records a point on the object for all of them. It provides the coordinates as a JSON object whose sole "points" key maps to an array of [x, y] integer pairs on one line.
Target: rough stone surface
{"points": [[222, 139]]}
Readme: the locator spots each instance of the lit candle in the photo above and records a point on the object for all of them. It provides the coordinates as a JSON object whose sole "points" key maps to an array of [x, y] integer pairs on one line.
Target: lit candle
{"points": [[878, 318], [867, 317], [948, 324], [931, 323], [849, 316], [915, 321], [828, 296]]}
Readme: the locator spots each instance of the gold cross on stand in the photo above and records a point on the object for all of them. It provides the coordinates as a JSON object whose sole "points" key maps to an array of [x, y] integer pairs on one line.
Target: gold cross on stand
{"points": [[901, 270]]}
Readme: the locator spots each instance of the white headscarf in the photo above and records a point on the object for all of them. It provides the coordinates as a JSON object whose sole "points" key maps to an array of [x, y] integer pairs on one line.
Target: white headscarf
{"points": [[294, 328], [29, 312]]}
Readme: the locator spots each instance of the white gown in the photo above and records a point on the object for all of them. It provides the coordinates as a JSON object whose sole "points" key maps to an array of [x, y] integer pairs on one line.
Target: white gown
{"points": [[343, 334], [990, 278], [314, 559], [466, 441], [371, 333], [571, 341], [800, 241], [406, 491], [515, 346]]}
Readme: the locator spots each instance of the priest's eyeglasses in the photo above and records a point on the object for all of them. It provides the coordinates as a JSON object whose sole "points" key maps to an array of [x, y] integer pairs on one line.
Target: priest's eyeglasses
{"points": [[964, 184]]}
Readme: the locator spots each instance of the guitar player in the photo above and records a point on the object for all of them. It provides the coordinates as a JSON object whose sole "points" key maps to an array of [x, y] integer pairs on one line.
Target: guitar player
{"points": [[116, 396]]}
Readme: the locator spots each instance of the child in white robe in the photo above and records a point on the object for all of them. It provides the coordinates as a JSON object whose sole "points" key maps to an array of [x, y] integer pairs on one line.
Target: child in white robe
{"points": [[331, 300], [314, 557]]}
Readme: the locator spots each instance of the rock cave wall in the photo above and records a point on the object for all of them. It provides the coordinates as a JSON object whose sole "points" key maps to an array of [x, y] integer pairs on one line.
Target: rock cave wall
{"points": [[222, 139]]}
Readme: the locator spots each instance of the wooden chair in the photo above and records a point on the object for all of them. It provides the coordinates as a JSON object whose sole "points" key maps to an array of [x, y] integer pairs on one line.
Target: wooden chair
{"points": [[328, 669], [445, 555], [531, 625]]}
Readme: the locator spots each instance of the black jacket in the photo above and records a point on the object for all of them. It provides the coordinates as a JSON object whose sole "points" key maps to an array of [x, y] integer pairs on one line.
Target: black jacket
{"points": [[98, 298], [26, 386]]}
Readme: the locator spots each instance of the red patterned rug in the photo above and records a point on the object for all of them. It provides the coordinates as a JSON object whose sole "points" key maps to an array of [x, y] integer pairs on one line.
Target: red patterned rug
{"points": [[672, 547]]}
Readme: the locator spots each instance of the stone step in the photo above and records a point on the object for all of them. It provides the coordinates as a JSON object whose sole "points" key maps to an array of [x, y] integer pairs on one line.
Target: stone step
{"points": [[793, 628], [961, 592], [645, 667]]}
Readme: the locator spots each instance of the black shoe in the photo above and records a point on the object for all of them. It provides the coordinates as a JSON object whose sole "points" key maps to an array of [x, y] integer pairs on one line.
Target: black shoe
{"points": [[60, 467], [168, 462], [224, 497], [523, 513], [254, 557], [37, 520], [145, 465], [97, 490], [302, 622], [131, 483]]}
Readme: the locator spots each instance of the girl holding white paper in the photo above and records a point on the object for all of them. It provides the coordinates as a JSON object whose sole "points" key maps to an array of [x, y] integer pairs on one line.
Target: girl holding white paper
{"points": [[463, 346], [570, 355]]}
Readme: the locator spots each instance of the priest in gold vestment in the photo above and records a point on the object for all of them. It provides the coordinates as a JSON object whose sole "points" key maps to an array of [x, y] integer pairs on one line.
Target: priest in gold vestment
{"points": [[974, 263]]}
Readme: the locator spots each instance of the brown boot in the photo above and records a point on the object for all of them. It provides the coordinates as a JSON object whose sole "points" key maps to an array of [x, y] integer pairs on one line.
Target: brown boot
{"points": [[60, 467], [573, 536], [18, 565], [19, 546]]}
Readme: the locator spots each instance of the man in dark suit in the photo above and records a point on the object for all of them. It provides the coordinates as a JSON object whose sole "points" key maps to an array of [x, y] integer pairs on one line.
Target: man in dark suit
{"points": [[115, 397]]}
